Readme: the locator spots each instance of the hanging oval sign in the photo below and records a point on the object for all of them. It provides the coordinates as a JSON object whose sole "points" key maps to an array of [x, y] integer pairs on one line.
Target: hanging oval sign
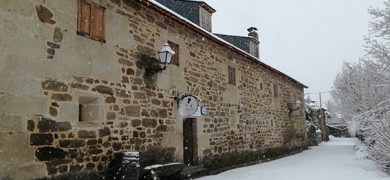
{"points": [[188, 105]]}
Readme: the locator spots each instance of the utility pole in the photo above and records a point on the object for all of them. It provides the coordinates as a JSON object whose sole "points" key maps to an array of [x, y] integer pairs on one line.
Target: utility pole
{"points": [[320, 96]]}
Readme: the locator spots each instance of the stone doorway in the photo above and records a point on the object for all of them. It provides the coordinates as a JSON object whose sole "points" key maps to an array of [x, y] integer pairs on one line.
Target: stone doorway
{"points": [[190, 151]]}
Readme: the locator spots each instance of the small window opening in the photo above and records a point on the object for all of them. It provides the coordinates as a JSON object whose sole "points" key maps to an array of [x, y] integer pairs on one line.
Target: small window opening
{"points": [[88, 109], [276, 90], [232, 75]]}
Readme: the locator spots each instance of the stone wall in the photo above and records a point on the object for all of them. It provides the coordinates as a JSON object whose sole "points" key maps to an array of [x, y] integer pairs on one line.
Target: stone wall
{"points": [[47, 70], [316, 128]]}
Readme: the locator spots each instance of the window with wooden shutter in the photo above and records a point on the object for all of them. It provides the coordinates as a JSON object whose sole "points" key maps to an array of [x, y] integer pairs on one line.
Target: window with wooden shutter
{"points": [[174, 47], [232, 75], [91, 21]]}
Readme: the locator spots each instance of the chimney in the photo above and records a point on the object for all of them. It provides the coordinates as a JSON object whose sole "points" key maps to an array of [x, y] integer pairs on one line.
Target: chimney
{"points": [[252, 31], [253, 44]]}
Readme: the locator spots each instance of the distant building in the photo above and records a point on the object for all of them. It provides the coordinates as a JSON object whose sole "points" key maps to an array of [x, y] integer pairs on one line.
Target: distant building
{"points": [[73, 93], [338, 131]]}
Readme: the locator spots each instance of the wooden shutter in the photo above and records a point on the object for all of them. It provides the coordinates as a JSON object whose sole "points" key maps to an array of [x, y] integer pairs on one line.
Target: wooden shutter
{"points": [[90, 21], [175, 47], [84, 18], [98, 25], [232, 75], [229, 75]]}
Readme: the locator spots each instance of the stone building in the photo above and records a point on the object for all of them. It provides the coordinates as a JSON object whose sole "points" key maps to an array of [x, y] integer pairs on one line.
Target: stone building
{"points": [[73, 94]]}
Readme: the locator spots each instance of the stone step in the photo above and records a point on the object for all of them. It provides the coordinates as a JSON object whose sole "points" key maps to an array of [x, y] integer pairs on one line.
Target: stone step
{"points": [[189, 168]]}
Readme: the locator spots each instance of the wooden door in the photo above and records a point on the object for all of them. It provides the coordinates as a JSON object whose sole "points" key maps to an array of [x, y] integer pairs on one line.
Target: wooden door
{"points": [[188, 141]]}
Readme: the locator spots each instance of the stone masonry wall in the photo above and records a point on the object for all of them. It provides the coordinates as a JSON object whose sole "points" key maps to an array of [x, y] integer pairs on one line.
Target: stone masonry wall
{"points": [[47, 70]]}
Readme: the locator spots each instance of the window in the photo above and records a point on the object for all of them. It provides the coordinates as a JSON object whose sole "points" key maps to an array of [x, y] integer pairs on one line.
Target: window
{"points": [[260, 84], [90, 21], [88, 109], [232, 75], [205, 19], [276, 90], [174, 47]]}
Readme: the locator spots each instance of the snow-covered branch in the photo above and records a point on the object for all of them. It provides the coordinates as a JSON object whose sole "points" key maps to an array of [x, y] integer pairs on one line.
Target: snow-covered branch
{"points": [[362, 90]]}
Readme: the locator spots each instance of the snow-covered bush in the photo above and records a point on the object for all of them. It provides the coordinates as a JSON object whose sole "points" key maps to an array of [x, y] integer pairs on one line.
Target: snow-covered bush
{"points": [[375, 133], [313, 124]]}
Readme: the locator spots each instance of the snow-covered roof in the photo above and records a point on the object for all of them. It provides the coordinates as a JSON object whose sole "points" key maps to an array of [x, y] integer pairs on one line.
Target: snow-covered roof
{"points": [[339, 127], [179, 4], [180, 19], [242, 42]]}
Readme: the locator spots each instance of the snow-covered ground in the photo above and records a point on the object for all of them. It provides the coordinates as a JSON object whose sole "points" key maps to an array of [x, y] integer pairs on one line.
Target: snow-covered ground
{"points": [[331, 160]]}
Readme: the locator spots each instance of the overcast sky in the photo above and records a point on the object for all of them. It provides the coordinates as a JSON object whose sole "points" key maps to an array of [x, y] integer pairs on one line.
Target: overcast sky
{"points": [[306, 39]]}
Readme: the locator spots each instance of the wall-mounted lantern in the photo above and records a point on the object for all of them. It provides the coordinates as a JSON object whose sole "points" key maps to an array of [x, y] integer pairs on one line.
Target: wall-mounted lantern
{"points": [[151, 65], [165, 55], [294, 105]]}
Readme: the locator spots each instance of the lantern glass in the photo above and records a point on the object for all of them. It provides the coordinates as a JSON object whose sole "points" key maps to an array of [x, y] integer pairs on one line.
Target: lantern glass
{"points": [[165, 54], [169, 58], [163, 57]]}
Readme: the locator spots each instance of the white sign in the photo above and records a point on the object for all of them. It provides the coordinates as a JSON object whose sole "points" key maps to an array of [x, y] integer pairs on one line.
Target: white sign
{"points": [[203, 110], [199, 112], [188, 105]]}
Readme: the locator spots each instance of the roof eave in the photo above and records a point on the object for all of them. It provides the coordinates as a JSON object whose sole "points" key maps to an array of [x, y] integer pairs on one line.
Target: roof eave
{"points": [[151, 3], [208, 7]]}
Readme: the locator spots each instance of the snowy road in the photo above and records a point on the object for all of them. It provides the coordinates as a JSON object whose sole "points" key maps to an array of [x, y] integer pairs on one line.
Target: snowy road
{"points": [[332, 160]]}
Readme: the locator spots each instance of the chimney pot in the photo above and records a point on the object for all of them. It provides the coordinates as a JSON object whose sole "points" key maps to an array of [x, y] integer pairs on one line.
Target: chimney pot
{"points": [[252, 31]]}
